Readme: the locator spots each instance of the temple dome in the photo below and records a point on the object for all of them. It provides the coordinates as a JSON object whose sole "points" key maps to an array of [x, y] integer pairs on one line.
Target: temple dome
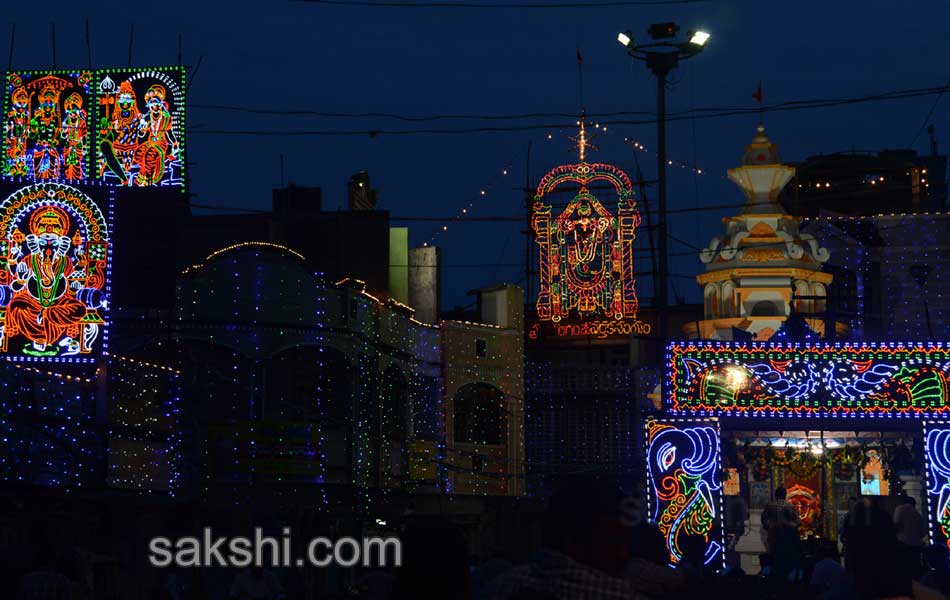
{"points": [[762, 261]]}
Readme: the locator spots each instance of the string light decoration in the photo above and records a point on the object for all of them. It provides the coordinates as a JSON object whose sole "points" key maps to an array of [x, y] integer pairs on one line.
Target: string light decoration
{"points": [[882, 302], [470, 206], [680, 164], [140, 126], [45, 127], [54, 274], [366, 428], [483, 408], [639, 147], [359, 378], [684, 488], [48, 433], [51, 437], [857, 379], [276, 389], [145, 435], [937, 460], [579, 419], [586, 252]]}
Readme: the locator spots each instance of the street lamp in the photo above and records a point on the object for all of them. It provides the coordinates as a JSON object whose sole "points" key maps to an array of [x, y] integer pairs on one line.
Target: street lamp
{"points": [[662, 53], [699, 38]]}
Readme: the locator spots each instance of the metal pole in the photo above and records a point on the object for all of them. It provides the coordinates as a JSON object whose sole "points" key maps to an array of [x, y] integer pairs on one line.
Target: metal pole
{"points": [[529, 232], [662, 298], [12, 43], [651, 233]]}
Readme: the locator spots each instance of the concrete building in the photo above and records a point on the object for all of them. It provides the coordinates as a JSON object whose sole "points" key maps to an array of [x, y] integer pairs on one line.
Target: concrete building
{"points": [[321, 397], [884, 218], [360, 195], [484, 397], [890, 273], [356, 243], [868, 183]]}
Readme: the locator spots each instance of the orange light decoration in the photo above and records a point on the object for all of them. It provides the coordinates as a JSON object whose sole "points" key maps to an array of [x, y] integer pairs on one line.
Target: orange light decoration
{"points": [[54, 274], [586, 253], [141, 126], [45, 125], [851, 379]]}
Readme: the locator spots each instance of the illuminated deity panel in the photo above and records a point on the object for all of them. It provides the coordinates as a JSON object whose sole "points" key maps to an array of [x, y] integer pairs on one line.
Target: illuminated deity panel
{"points": [[846, 379], [586, 252], [937, 456], [46, 133], [685, 488], [140, 122], [807, 503], [54, 274]]}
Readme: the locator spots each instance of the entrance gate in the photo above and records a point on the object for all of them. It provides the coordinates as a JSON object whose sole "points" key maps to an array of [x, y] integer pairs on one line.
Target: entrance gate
{"points": [[815, 385]]}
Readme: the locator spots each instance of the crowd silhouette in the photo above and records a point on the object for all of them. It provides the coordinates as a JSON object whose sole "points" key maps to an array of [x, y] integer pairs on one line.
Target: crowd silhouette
{"points": [[592, 550]]}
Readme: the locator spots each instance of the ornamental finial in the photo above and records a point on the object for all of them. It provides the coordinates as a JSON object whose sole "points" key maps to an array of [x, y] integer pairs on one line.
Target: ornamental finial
{"points": [[582, 140]]}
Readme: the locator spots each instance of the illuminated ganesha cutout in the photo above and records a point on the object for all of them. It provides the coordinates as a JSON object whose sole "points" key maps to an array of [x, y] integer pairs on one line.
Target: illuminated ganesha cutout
{"points": [[53, 272], [683, 472], [586, 254]]}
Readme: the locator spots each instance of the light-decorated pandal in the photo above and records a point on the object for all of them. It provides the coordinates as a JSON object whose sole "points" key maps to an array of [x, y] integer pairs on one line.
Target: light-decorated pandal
{"points": [[830, 421], [586, 267]]}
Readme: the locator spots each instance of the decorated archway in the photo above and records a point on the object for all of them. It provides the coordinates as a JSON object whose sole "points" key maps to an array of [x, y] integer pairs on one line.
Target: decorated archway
{"points": [[811, 417]]}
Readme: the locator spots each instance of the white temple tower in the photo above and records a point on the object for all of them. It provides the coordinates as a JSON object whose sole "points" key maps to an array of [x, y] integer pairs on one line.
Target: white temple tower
{"points": [[753, 269]]}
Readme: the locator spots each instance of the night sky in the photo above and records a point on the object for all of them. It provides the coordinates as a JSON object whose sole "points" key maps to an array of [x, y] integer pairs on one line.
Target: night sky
{"points": [[305, 56]]}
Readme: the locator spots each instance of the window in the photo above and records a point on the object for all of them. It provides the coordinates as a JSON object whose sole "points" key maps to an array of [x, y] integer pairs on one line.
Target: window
{"points": [[479, 414], [481, 348]]}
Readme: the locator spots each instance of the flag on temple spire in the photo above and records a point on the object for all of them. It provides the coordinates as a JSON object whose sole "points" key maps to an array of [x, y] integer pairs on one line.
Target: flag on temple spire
{"points": [[758, 93], [580, 59]]}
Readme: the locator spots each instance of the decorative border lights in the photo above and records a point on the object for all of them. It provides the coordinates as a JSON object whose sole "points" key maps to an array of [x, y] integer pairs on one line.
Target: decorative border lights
{"points": [[82, 262], [875, 216], [846, 379], [240, 246], [937, 460], [44, 421]]}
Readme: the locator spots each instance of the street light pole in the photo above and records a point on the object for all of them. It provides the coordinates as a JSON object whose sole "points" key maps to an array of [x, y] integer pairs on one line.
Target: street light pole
{"points": [[661, 58], [662, 294]]}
